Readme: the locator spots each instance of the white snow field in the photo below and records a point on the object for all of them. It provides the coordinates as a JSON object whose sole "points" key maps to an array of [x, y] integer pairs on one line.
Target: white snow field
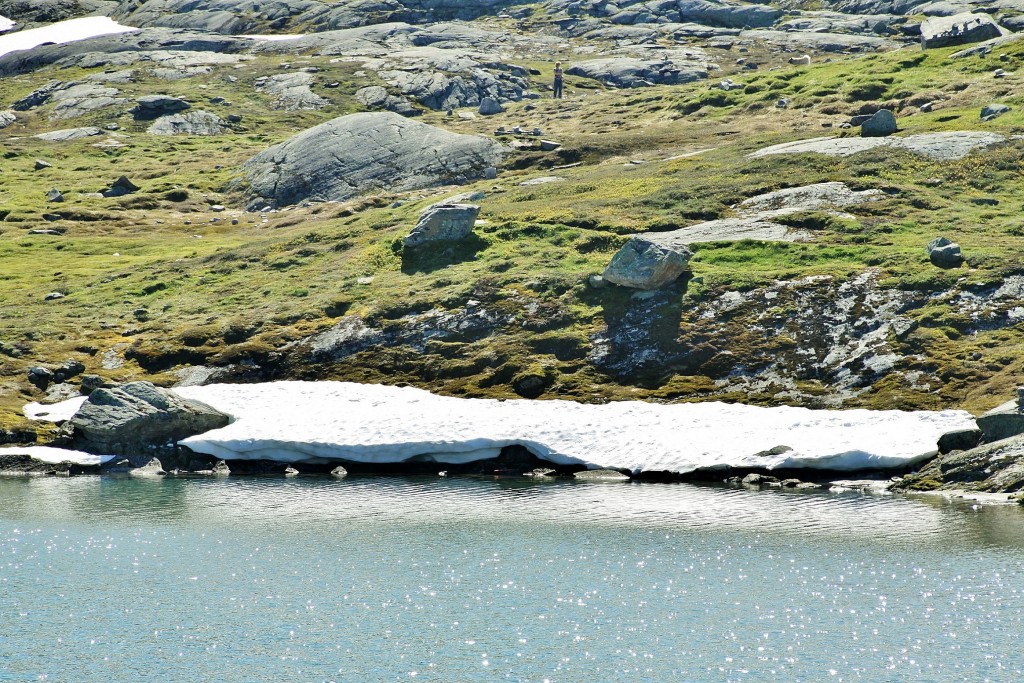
{"points": [[60, 32], [317, 422]]}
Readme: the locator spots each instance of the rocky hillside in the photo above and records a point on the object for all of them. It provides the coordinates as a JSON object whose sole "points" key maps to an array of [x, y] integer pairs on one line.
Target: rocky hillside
{"points": [[783, 203]]}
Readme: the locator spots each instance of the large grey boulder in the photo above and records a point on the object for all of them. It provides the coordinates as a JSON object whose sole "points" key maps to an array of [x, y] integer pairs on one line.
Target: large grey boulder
{"points": [[490, 106], [196, 122], [353, 154], [881, 124], [7, 118], [958, 29], [139, 417], [644, 264], [944, 253], [443, 223]]}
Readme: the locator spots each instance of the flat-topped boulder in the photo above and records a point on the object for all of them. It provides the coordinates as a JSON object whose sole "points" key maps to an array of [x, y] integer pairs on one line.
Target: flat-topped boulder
{"points": [[443, 223], [150, 107], [353, 154]]}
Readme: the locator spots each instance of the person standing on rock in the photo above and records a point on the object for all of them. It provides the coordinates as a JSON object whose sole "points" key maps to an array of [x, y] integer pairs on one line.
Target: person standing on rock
{"points": [[557, 85]]}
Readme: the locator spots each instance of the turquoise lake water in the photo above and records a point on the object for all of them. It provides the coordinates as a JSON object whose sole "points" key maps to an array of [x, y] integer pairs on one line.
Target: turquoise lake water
{"points": [[423, 579]]}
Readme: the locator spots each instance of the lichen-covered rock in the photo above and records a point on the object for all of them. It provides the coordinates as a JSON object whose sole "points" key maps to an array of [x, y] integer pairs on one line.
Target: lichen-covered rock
{"points": [[138, 417], [352, 154]]}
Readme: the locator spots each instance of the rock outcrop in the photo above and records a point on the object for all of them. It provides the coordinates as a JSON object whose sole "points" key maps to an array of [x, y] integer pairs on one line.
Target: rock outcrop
{"points": [[352, 154], [958, 29], [138, 417], [196, 122], [628, 72], [992, 467]]}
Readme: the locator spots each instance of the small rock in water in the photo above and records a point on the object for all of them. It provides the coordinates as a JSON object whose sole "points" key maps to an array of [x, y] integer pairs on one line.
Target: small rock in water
{"points": [[339, 472], [153, 468], [291, 472], [754, 479], [601, 475], [542, 472]]}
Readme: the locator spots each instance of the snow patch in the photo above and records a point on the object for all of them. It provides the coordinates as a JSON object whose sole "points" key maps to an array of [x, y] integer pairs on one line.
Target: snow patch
{"points": [[318, 422], [54, 456], [61, 32], [54, 412]]}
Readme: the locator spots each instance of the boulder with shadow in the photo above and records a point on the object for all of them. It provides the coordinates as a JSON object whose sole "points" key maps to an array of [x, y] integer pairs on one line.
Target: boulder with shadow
{"points": [[443, 223], [944, 253], [643, 263]]}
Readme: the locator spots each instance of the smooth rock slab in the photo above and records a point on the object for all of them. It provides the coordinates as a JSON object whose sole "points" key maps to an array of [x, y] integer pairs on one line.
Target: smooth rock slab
{"points": [[68, 134], [940, 146], [352, 154]]}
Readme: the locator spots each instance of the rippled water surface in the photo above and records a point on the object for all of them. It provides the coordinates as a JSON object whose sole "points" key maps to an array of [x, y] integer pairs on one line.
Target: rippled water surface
{"points": [[105, 579]]}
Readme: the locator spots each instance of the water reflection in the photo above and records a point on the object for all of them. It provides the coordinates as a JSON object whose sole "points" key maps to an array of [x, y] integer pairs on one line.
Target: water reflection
{"points": [[313, 505]]}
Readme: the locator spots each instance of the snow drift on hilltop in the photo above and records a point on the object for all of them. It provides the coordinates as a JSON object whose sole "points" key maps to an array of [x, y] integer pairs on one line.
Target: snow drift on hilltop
{"points": [[59, 32]]}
